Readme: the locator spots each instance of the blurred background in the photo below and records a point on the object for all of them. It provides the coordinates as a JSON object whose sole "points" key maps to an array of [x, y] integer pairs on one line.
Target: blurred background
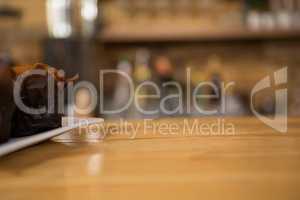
{"points": [[219, 40]]}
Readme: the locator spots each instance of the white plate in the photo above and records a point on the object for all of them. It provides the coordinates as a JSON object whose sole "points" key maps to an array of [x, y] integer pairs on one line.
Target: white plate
{"points": [[20, 143]]}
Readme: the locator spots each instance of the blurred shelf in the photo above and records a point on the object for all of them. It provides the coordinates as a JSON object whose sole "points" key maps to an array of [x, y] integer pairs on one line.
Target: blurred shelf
{"points": [[167, 35]]}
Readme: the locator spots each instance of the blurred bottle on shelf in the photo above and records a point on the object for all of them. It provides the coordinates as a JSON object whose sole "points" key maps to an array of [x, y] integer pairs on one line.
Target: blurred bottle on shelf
{"points": [[188, 13], [163, 68], [142, 70], [122, 89], [283, 10], [226, 102], [272, 14], [197, 76], [165, 75], [215, 77], [259, 16], [142, 73]]}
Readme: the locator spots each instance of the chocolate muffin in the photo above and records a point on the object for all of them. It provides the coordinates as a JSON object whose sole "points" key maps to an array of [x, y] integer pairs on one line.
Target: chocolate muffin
{"points": [[34, 94]]}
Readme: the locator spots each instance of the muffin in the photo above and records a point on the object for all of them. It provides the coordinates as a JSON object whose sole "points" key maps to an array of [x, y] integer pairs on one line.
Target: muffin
{"points": [[34, 94]]}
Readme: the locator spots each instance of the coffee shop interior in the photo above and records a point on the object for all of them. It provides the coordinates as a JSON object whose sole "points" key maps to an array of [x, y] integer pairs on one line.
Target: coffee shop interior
{"points": [[195, 99], [184, 41]]}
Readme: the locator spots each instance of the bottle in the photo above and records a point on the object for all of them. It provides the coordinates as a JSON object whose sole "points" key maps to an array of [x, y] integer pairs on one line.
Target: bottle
{"points": [[141, 74], [122, 91], [142, 70]]}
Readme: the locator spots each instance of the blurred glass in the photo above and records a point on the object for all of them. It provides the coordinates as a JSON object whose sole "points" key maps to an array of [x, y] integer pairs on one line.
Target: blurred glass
{"points": [[59, 18], [89, 14]]}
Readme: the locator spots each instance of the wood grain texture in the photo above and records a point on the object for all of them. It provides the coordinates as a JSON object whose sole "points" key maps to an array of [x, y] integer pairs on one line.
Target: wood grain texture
{"points": [[254, 163]]}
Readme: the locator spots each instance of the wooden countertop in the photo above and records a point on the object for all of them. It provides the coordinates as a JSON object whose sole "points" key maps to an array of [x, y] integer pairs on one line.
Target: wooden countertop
{"points": [[253, 163]]}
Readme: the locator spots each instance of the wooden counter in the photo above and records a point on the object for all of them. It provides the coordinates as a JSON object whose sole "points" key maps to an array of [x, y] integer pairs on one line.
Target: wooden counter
{"points": [[253, 163]]}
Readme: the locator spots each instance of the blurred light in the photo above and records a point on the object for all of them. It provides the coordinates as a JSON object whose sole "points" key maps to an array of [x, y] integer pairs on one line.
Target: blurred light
{"points": [[58, 18], [95, 163], [89, 10]]}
